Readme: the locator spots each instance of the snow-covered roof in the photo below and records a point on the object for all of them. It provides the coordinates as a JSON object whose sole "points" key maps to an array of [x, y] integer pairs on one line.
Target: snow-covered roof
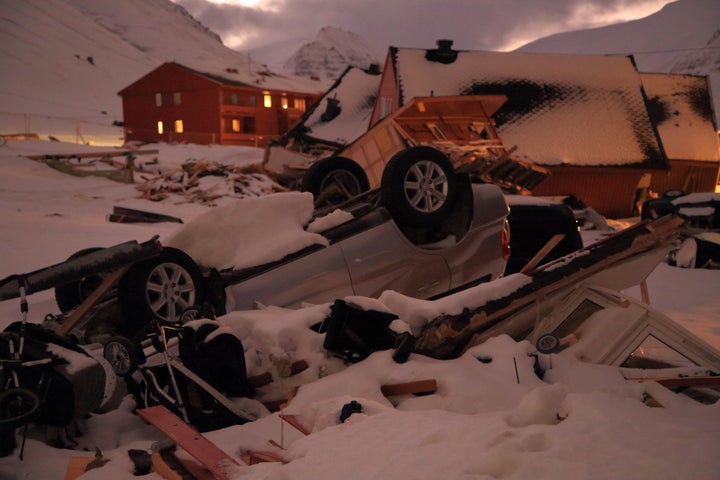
{"points": [[261, 78], [562, 109], [681, 109], [356, 91]]}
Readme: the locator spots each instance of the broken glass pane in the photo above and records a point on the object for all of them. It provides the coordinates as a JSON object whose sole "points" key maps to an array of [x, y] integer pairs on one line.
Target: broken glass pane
{"points": [[653, 353]]}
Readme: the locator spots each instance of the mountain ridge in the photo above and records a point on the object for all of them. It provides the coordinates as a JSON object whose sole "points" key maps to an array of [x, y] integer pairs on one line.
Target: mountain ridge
{"points": [[64, 61]]}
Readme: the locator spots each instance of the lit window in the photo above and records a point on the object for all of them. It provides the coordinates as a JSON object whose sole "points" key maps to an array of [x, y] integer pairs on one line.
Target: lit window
{"points": [[284, 103], [158, 99], [267, 100], [179, 126], [160, 127], [299, 103], [235, 125], [177, 98]]}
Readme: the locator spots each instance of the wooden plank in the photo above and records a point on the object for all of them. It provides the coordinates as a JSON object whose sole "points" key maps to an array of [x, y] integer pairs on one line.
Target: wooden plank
{"points": [[294, 421], [149, 216], [197, 446], [418, 387], [163, 468], [76, 467], [82, 310], [539, 256]]}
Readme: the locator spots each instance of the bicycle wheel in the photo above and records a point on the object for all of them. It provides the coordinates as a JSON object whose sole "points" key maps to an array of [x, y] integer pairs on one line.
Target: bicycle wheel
{"points": [[18, 406]]}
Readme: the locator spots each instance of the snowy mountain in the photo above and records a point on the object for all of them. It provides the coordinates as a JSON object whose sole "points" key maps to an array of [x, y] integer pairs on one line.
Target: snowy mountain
{"points": [[332, 50], [683, 37], [63, 61]]}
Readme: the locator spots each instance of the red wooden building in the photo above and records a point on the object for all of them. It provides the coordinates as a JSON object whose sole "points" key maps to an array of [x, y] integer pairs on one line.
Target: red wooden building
{"points": [[175, 103]]}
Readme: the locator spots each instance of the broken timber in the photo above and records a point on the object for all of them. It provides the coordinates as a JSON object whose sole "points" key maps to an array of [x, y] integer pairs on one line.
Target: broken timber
{"points": [[200, 448], [121, 172], [448, 336], [131, 215]]}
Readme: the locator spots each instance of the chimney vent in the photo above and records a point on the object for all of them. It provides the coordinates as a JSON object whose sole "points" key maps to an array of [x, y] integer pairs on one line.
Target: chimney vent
{"points": [[443, 54]]}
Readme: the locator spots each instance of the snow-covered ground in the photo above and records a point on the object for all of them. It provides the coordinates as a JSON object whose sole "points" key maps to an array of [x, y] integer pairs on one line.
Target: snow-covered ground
{"points": [[582, 421]]}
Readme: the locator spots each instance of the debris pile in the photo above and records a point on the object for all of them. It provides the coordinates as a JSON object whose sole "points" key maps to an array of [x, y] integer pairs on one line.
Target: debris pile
{"points": [[204, 182]]}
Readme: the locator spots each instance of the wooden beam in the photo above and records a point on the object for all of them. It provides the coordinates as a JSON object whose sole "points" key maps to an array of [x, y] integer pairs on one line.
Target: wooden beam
{"points": [[418, 387], [540, 255], [197, 446], [79, 313], [294, 421]]}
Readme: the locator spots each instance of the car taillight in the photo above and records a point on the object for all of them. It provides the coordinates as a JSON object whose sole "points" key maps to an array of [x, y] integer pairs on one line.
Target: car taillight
{"points": [[506, 241]]}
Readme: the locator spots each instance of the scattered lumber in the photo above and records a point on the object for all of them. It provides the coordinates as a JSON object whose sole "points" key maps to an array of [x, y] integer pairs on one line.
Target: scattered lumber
{"points": [[85, 163], [449, 335], [200, 448]]}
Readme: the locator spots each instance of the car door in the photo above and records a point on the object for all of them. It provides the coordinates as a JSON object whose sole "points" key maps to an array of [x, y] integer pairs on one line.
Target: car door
{"points": [[316, 277], [381, 258]]}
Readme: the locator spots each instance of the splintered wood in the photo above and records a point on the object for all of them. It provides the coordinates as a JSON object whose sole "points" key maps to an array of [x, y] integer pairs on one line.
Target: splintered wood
{"points": [[447, 336], [205, 182]]}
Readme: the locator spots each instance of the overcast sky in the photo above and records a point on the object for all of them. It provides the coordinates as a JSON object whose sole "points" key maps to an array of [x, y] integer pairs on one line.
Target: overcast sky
{"points": [[472, 24]]}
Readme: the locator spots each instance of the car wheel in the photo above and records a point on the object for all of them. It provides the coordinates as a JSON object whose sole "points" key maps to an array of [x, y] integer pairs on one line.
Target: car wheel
{"points": [[70, 295], [18, 406], [419, 186], [123, 355], [333, 180], [160, 287]]}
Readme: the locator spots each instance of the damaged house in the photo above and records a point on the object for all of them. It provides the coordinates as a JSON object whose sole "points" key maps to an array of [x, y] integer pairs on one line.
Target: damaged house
{"points": [[681, 109], [593, 121]]}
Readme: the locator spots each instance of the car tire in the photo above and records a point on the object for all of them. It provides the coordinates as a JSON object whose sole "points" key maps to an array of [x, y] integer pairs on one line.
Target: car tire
{"points": [[333, 180], [123, 355], [159, 288], [419, 186], [69, 295]]}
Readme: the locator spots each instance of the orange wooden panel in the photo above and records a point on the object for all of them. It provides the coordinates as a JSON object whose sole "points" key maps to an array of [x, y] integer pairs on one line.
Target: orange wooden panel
{"points": [[199, 447]]}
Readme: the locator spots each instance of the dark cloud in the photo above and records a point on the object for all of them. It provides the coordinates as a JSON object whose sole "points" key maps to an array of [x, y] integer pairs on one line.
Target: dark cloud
{"points": [[472, 24]]}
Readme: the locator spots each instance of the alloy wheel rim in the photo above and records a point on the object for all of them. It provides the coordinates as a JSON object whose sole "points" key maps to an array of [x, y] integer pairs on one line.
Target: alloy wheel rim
{"points": [[426, 186], [170, 289]]}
